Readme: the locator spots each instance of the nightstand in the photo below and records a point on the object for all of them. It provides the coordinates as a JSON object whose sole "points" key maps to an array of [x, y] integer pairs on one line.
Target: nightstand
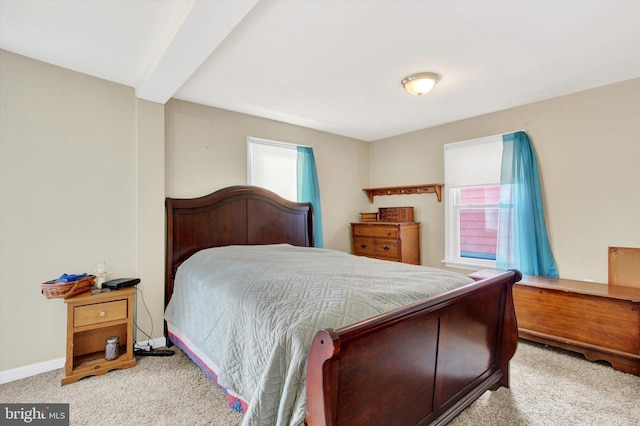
{"points": [[91, 319]]}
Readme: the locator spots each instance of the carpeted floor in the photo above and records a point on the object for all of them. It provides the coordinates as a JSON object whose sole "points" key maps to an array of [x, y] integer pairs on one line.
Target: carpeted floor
{"points": [[548, 387], [554, 387]]}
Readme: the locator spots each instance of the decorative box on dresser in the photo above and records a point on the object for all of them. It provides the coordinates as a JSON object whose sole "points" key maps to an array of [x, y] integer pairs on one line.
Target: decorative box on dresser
{"points": [[397, 241], [91, 319]]}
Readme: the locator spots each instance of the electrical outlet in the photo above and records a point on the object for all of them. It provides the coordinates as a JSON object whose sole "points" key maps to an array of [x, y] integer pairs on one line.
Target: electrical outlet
{"points": [[145, 348]]}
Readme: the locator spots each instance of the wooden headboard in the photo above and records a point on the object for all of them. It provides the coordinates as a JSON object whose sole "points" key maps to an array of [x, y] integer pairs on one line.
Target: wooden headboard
{"points": [[237, 215]]}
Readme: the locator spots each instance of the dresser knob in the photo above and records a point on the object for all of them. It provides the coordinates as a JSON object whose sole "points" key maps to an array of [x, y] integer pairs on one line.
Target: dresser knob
{"points": [[385, 248], [363, 246], [103, 313]]}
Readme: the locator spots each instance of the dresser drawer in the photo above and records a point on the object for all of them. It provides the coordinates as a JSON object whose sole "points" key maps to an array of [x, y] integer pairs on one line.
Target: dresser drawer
{"points": [[387, 249], [363, 246], [379, 231], [99, 313]]}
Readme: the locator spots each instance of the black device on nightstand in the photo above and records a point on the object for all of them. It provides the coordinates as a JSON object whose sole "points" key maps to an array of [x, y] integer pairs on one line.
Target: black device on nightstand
{"points": [[120, 283]]}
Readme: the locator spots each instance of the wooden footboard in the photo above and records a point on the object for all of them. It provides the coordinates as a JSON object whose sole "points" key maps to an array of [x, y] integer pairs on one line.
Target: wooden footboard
{"points": [[423, 363]]}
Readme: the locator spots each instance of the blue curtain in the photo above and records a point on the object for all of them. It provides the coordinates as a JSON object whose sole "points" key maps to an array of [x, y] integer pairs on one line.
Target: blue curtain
{"points": [[309, 190], [523, 242]]}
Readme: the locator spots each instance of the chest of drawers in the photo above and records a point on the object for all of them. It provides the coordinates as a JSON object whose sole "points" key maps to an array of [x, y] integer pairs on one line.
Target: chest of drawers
{"points": [[397, 241]]}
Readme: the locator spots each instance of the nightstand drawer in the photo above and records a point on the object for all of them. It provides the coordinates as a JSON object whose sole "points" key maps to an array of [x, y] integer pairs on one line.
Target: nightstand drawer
{"points": [[99, 313]]}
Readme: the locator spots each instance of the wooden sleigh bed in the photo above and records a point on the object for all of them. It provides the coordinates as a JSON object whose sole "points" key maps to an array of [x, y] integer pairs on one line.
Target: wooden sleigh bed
{"points": [[422, 363]]}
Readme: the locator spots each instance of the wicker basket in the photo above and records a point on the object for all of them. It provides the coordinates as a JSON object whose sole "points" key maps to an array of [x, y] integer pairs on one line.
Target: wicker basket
{"points": [[368, 217], [65, 290]]}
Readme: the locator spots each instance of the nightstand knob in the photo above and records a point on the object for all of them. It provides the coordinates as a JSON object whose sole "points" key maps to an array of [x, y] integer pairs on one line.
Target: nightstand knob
{"points": [[103, 313]]}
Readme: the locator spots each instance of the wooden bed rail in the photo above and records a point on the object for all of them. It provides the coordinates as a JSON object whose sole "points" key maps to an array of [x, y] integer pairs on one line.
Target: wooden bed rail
{"points": [[422, 363]]}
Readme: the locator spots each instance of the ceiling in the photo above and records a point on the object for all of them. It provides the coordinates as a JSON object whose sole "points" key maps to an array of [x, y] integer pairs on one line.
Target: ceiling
{"points": [[336, 65]]}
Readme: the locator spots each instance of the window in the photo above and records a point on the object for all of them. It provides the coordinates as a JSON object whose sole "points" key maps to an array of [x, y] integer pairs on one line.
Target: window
{"points": [[478, 221], [273, 165], [472, 185], [288, 170]]}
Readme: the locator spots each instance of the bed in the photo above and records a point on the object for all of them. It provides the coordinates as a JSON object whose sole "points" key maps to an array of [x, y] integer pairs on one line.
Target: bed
{"points": [[421, 362]]}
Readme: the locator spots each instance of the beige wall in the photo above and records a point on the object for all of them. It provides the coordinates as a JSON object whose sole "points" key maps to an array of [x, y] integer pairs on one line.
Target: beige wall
{"points": [[84, 168], [150, 215], [82, 180], [206, 149], [588, 148]]}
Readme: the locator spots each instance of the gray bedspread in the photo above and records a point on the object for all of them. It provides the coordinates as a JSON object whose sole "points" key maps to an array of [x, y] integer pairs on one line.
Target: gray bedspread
{"points": [[255, 309]]}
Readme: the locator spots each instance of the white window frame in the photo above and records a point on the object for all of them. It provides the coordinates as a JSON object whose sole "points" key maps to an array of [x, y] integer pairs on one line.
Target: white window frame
{"points": [[452, 241], [291, 194], [452, 211]]}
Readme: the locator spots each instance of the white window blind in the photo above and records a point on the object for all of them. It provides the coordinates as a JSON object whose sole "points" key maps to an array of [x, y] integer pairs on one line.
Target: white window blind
{"points": [[273, 165], [472, 163]]}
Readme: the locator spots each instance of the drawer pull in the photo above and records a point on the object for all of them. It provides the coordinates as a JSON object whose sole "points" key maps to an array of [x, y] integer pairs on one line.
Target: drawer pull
{"points": [[385, 248], [363, 246], [103, 313]]}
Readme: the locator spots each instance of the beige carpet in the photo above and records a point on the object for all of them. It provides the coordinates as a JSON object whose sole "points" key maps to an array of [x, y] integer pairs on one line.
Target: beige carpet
{"points": [[548, 387]]}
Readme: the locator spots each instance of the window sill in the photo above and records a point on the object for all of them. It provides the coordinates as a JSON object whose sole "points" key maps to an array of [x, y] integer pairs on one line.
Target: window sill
{"points": [[472, 265]]}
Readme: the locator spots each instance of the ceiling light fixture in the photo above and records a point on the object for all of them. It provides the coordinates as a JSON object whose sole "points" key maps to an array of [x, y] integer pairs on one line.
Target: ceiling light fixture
{"points": [[420, 83]]}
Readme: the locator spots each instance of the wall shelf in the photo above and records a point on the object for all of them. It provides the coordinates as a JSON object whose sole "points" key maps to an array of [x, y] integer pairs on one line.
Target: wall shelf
{"points": [[429, 188]]}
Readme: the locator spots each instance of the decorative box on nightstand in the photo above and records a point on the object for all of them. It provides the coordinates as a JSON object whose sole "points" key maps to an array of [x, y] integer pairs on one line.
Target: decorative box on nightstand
{"points": [[91, 319]]}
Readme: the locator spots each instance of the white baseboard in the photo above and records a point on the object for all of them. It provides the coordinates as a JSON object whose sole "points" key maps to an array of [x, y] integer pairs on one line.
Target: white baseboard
{"points": [[54, 364], [30, 370]]}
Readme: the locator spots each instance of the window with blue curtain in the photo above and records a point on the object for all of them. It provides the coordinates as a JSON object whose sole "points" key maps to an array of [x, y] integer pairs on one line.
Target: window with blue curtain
{"points": [[494, 214], [289, 170]]}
